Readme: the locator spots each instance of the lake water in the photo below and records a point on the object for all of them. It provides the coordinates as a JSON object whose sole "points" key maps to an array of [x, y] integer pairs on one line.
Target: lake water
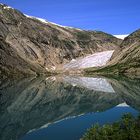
{"points": [[63, 107]]}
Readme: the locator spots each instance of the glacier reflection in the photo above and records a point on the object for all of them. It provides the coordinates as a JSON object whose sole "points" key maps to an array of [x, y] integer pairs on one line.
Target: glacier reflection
{"points": [[97, 84]]}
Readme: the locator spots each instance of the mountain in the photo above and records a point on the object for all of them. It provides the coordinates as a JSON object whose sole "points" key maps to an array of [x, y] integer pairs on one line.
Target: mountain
{"points": [[125, 60], [33, 46]]}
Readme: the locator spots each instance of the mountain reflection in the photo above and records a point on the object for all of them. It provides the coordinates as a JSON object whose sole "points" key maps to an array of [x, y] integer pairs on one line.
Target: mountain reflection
{"points": [[33, 102]]}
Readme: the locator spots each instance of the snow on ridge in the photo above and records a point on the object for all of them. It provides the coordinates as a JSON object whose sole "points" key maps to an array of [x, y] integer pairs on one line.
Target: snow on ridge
{"points": [[121, 36], [94, 60], [46, 22], [5, 6], [8, 7], [41, 19]]}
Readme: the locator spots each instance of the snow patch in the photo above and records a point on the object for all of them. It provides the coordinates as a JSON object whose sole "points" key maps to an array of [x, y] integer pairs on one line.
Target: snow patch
{"points": [[73, 60], [121, 36], [53, 68], [94, 60], [7, 7]]}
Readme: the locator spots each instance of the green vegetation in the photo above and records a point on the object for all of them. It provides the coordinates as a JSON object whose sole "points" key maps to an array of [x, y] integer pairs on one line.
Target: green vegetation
{"points": [[83, 36], [118, 69], [128, 128]]}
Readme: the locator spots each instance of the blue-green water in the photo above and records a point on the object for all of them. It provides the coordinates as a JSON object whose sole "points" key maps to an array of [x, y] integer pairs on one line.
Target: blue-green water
{"points": [[64, 107]]}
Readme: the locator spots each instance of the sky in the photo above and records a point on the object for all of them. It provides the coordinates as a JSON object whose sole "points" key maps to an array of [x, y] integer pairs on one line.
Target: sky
{"points": [[111, 16]]}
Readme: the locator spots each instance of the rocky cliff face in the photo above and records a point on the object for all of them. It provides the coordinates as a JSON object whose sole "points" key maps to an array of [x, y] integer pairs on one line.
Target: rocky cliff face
{"points": [[31, 46], [126, 59]]}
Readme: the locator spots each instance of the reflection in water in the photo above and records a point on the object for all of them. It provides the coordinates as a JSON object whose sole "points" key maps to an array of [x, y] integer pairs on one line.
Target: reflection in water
{"points": [[123, 105], [97, 84], [128, 90], [34, 103]]}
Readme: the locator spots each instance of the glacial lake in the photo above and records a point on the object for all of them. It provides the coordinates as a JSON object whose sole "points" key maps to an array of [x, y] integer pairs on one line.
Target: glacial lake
{"points": [[64, 107]]}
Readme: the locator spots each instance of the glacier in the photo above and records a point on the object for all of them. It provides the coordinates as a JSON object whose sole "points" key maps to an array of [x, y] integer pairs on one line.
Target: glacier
{"points": [[94, 60]]}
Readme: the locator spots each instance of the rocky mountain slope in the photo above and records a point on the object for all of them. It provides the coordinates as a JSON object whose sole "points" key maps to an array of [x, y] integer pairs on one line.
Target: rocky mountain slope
{"points": [[126, 59], [32, 46]]}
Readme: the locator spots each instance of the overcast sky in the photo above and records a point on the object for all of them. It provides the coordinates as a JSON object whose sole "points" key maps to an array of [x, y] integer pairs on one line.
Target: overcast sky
{"points": [[112, 16]]}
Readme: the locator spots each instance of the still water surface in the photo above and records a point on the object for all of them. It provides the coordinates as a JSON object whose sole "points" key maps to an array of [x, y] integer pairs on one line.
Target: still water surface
{"points": [[64, 107]]}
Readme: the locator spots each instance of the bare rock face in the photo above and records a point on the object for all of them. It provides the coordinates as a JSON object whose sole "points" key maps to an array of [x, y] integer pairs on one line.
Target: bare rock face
{"points": [[30, 46]]}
